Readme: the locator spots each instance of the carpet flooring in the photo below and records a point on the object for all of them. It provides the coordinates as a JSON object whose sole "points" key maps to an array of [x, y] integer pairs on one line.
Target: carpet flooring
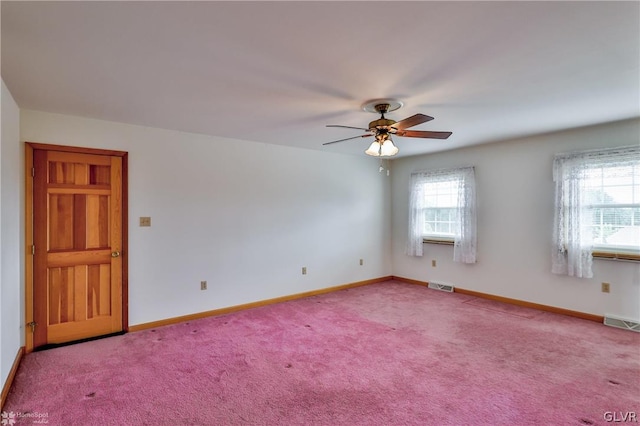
{"points": [[383, 354]]}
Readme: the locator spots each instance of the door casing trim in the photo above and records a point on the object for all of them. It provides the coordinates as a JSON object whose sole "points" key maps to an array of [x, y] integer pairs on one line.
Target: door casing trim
{"points": [[28, 256]]}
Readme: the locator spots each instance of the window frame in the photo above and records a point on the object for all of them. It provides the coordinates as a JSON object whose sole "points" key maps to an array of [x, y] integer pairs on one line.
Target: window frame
{"points": [[464, 238], [610, 251], [571, 167], [441, 238]]}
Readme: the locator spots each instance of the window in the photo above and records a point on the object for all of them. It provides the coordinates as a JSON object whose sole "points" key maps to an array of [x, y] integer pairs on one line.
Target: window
{"points": [[442, 207], [597, 208], [612, 200]]}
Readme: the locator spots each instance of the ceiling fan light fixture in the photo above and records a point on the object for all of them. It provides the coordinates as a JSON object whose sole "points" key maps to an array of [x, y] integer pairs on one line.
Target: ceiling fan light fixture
{"points": [[374, 149], [387, 149]]}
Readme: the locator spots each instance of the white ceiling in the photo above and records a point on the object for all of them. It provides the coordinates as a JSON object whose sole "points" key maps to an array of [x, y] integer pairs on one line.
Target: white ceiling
{"points": [[278, 72]]}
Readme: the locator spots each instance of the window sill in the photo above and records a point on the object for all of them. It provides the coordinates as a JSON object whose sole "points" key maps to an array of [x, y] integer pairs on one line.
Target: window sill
{"points": [[635, 257], [435, 240]]}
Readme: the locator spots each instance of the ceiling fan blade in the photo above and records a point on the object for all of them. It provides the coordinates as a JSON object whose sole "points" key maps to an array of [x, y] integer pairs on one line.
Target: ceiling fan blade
{"points": [[423, 134], [342, 140], [346, 127], [414, 120]]}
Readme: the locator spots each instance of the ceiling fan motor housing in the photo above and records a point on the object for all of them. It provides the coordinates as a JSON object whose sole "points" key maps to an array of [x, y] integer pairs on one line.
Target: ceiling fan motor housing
{"points": [[381, 124]]}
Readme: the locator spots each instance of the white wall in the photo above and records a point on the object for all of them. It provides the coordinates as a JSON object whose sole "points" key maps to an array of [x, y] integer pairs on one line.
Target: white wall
{"points": [[11, 236], [247, 216], [244, 216], [515, 216]]}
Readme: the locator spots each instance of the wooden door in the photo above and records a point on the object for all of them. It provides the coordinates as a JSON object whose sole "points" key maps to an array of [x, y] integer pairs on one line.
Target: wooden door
{"points": [[77, 236]]}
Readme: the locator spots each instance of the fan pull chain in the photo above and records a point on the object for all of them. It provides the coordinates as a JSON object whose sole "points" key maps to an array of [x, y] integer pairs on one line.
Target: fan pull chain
{"points": [[382, 168]]}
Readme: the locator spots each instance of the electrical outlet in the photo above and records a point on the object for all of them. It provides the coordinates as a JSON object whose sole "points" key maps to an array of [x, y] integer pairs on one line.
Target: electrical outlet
{"points": [[361, 262], [203, 285], [145, 221], [433, 263], [606, 287], [304, 270]]}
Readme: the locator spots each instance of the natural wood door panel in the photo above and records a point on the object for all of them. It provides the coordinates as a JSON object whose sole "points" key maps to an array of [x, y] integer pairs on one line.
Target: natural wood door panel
{"points": [[79, 293], [99, 175], [97, 215], [99, 301], [61, 208], [78, 221], [61, 294]]}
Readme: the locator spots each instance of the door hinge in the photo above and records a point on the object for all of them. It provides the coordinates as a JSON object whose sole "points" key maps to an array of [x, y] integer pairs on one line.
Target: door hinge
{"points": [[33, 324], [33, 172], [33, 250]]}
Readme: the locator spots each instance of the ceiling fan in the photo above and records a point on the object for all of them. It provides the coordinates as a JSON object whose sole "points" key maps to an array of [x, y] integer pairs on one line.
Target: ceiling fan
{"points": [[383, 128]]}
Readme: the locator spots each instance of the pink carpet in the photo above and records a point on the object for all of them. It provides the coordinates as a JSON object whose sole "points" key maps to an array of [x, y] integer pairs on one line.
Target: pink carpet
{"points": [[383, 354]]}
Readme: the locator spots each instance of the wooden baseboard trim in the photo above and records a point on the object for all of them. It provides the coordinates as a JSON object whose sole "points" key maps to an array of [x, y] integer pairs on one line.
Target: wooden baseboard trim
{"points": [[538, 306], [410, 281], [236, 308], [11, 376], [523, 303]]}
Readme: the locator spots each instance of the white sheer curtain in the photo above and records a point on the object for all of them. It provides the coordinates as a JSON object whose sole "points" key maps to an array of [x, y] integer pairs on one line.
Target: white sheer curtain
{"points": [[465, 227], [464, 245], [572, 252]]}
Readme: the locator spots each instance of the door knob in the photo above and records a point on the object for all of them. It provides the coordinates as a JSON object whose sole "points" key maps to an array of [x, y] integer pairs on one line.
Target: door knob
{"points": [[115, 254]]}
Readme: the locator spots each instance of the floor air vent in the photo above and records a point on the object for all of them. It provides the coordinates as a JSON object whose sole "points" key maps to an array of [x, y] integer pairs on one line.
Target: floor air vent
{"points": [[618, 322], [441, 287]]}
